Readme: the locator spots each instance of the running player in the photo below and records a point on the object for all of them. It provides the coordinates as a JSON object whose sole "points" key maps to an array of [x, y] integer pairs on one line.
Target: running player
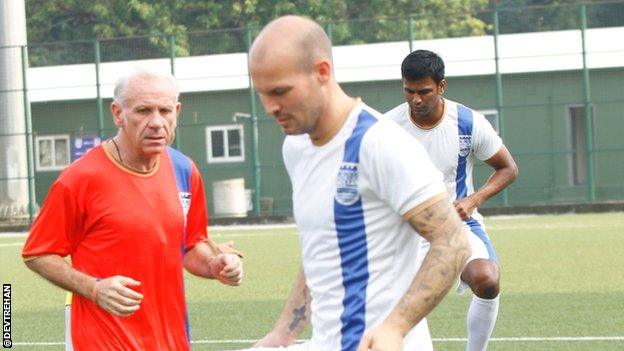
{"points": [[454, 136], [365, 195]]}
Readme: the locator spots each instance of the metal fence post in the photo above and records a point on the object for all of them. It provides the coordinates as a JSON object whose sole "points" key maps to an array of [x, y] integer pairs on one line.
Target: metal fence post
{"points": [[100, 110], [28, 125], [329, 30], [172, 53], [254, 135], [172, 57], [499, 91], [589, 132], [410, 32]]}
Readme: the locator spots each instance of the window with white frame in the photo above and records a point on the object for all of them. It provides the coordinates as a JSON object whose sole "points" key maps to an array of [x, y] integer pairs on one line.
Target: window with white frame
{"points": [[225, 143], [492, 117], [52, 152]]}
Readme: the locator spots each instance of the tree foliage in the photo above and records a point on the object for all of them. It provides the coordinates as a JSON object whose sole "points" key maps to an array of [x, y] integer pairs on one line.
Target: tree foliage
{"points": [[138, 29], [192, 23], [517, 16]]}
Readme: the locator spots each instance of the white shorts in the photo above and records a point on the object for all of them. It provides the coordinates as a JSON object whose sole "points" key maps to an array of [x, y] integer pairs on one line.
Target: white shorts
{"points": [[295, 347], [68, 339], [426, 345], [480, 246], [417, 339]]}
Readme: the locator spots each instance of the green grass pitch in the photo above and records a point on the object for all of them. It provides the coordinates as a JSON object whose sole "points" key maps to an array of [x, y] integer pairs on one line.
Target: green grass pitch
{"points": [[562, 288]]}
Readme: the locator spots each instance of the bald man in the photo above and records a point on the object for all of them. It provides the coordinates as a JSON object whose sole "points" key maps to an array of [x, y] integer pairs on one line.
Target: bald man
{"points": [[360, 211]]}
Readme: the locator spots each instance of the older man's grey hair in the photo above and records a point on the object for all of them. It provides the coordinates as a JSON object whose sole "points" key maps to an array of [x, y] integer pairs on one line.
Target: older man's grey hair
{"points": [[142, 74]]}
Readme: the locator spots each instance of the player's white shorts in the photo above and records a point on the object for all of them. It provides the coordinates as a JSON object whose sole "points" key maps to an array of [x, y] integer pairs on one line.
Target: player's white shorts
{"points": [[418, 339], [68, 339], [479, 244], [426, 345], [295, 347]]}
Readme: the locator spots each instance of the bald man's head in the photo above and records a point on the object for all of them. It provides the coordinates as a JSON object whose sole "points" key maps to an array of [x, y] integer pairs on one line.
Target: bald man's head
{"points": [[294, 36]]}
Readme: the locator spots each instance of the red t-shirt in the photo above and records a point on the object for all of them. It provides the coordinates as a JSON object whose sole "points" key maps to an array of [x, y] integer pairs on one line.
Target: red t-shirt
{"points": [[113, 221]]}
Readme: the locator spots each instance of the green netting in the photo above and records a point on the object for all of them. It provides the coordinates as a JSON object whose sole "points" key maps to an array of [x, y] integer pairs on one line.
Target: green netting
{"points": [[542, 112]]}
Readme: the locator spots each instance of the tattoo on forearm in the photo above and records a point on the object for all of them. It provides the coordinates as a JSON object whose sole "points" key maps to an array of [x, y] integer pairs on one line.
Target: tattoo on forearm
{"points": [[299, 315], [449, 251]]}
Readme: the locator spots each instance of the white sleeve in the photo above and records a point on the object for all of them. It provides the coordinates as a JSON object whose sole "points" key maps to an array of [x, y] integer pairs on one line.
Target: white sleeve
{"points": [[398, 113], [288, 154], [485, 141], [399, 169]]}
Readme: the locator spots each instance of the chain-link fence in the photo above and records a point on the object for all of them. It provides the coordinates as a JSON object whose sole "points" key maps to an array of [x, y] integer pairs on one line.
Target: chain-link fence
{"points": [[549, 78]]}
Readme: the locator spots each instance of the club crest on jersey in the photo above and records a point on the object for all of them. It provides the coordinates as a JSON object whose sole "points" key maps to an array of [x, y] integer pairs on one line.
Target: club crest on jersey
{"points": [[465, 144], [346, 188], [185, 201]]}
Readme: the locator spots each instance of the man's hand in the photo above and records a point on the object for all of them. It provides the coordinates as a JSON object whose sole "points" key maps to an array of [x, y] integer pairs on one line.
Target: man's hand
{"points": [[115, 295], [466, 206], [505, 171], [274, 339], [227, 268], [382, 338], [228, 247]]}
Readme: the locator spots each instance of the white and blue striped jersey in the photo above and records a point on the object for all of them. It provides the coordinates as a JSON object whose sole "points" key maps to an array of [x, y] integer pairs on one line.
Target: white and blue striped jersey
{"points": [[359, 254], [460, 137]]}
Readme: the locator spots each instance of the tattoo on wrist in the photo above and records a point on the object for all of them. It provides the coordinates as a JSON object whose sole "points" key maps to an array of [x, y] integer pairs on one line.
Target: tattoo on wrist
{"points": [[299, 315]]}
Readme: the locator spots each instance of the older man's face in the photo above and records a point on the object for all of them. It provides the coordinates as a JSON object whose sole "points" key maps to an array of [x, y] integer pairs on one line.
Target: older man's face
{"points": [[148, 115]]}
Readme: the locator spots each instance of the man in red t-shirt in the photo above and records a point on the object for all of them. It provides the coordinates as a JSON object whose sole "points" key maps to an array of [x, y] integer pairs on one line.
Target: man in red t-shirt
{"points": [[131, 214]]}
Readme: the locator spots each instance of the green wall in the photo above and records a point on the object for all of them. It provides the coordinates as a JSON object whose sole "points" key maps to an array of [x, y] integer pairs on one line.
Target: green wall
{"points": [[201, 110], [535, 120], [75, 118]]}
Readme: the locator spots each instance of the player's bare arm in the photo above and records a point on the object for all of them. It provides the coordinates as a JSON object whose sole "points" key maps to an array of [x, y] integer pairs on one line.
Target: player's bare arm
{"points": [[113, 294], [440, 225], [447, 256], [294, 317], [505, 172], [210, 261]]}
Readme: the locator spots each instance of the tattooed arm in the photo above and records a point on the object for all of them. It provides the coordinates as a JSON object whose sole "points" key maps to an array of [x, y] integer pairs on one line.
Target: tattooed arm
{"points": [[293, 319], [439, 224]]}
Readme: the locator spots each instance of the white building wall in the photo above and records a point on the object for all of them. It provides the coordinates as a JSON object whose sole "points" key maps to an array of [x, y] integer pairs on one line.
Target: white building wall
{"points": [[467, 56]]}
